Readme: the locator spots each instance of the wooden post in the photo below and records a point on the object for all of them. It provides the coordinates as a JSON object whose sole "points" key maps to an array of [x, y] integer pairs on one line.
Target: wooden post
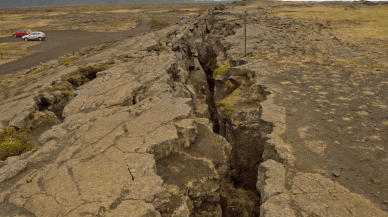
{"points": [[1, 55]]}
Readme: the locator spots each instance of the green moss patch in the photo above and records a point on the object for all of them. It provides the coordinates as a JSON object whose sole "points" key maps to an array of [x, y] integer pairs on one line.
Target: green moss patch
{"points": [[13, 143], [49, 120], [229, 86], [160, 39], [32, 114], [230, 101], [66, 93], [222, 69]]}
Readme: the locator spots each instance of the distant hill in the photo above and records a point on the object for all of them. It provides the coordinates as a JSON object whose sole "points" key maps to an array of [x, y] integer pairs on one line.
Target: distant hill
{"points": [[29, 3]]}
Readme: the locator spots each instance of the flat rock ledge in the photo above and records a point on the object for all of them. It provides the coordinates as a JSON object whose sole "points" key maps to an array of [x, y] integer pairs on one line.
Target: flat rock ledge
{"points": [[134, 141]]}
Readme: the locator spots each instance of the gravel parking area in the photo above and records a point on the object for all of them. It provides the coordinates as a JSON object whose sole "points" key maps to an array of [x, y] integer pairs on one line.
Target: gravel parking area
{"points": [[59, 43]]}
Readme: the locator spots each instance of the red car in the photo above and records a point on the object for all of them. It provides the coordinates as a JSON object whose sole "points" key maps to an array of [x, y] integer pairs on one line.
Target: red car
{"points": [[21, 33]]}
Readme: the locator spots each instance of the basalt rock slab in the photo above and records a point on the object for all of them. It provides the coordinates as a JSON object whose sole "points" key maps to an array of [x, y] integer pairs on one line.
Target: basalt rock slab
{"points": [[192, 176]]}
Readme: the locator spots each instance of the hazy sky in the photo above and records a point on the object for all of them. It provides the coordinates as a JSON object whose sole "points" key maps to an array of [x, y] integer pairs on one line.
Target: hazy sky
{"points": [[29, 3]]}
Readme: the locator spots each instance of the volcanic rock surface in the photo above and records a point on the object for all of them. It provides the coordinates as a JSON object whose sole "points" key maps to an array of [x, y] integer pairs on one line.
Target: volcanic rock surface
{"points": [[145, 128]]}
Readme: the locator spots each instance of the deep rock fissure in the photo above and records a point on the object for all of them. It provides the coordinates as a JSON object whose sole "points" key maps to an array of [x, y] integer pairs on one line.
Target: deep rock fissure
{"points": [[56, 108], [240, 196], [211, 102], [193, 158], [57, 100]]}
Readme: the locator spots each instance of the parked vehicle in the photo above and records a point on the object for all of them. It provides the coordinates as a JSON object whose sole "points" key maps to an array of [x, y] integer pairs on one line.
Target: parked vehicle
{"points": [[21, 33], [185, 17], [40, 36]]}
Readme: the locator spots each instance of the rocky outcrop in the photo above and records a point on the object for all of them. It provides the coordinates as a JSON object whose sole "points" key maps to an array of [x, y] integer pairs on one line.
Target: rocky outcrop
{"points": [[135, 139]]}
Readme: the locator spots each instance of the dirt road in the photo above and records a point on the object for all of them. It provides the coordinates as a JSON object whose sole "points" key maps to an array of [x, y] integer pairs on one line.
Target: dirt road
{"points": [[59, 43]]}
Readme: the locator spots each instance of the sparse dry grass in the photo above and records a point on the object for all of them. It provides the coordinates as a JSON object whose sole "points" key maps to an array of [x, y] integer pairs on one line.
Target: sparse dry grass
{"points": [[238, 202], [158, 23], [201, 10], [268, 3], [66, 61], [35, 71], [14, 51], [365, 22], [66, 17], [9, 23]]}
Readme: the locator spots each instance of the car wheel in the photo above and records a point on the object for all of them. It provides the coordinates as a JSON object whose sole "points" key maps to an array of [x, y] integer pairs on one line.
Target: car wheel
{"points": [[40, 39], [26, 39], [14, 36]]}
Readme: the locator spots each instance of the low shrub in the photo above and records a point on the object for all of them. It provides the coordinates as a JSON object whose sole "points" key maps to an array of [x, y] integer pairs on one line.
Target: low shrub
{"points": [[158, 24], [13, 143]]}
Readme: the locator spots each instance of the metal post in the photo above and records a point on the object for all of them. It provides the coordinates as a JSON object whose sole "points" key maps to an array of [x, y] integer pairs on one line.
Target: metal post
{"points": [[245, 25]]}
